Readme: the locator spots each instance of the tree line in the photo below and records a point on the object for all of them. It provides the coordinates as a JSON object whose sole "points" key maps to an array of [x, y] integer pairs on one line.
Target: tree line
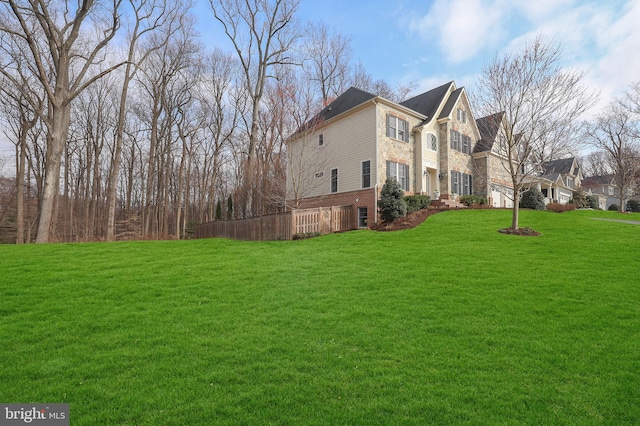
{"points": [[126, 125], [124, 122]]}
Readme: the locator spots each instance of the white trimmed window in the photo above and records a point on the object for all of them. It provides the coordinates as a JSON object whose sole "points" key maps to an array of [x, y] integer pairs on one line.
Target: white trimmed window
{"points": [[461, 183], [432, 142], [462, 115], [362, 217], [397, 128], [334, 180], [400, 172], [366, 174]]}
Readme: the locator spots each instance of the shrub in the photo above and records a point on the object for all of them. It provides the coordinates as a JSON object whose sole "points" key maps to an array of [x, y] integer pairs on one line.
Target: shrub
{"points": [[559, 208], [473, 199], [633, 206], [190, 230], [593, 201], [305, 235], [391, 204], [416, 202], [532, 199], [218, 210], [229, 207], [580, 199], [613, 207]]}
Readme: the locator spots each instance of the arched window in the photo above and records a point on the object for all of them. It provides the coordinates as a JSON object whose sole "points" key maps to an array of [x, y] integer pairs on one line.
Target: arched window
{"points": [[432, 142]]}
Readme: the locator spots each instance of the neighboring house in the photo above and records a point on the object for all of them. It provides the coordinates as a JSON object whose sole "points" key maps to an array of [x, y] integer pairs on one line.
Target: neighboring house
{"points": [[604, 187], [557, 180], [344, 155], [493, 180]]}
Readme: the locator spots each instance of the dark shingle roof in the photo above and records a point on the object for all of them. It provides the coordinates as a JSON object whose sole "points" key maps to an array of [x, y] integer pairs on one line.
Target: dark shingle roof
{"points": [[451, 102], [598, 180], [488, 127], [428, 102], [557, 167], [343, 103]]}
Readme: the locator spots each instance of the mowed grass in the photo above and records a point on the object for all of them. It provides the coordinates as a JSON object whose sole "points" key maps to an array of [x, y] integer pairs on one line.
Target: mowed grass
{"points": [[447, 323]]}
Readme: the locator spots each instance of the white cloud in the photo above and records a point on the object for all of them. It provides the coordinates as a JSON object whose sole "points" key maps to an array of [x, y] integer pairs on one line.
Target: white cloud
{"points": [[620, 64], [462, 28]]}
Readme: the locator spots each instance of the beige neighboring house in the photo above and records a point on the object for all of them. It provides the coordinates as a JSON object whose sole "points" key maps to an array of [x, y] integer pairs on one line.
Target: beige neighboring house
{"points": [[604, 187], [557, 180], [344, 155], [493, 180]]}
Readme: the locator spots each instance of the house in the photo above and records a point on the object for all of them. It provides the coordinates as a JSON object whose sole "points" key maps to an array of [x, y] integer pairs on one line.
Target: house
{"points": [[604, 188], [344, 155], [493, 180], [557, 180]]}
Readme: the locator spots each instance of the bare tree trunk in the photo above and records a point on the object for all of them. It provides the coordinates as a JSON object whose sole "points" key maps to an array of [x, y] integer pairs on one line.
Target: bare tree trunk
{"points": [[515, 214], [56, 142], [21, 156]]}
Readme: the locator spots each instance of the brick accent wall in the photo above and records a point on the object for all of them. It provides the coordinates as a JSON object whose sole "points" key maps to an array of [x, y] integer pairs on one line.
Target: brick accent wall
{"points": [[362, 198]]}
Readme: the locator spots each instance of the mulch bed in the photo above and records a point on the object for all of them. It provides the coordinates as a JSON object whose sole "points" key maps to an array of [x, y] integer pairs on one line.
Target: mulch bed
{"points": [[409, 221]]}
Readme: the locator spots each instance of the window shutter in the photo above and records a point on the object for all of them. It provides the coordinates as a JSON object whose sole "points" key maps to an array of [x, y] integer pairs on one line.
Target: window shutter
{"points": [[388, 168], [406, 177], [406, 131], [453, 134], [389, 135]]}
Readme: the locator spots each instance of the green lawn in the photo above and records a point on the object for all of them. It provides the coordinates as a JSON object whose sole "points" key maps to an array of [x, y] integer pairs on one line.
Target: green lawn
{"points": [[448, 323]]}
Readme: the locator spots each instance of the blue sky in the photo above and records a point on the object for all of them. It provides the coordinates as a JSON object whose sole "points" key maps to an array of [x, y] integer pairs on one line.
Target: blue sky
{"points": [[431, 42], [435, 41]]}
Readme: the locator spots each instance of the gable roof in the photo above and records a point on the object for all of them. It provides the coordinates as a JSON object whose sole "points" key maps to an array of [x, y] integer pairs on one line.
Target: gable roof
{"points": [[488, 127], [451, 102], [561, 166], [343, 103], [598, 180], [427, 103]]}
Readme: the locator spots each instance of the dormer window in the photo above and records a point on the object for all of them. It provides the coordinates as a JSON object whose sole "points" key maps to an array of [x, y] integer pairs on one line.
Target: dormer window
{"points": [[462, 115]]}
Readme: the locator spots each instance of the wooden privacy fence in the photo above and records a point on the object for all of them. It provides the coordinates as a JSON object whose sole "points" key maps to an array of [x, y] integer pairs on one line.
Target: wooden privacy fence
{"points": [[282, 226]]}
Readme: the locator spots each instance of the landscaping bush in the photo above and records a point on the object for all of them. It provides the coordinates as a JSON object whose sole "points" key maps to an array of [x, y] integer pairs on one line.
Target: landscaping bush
{"points": [[218, 210], [580, 199], [473, 200], [559, 208], [391, 204], [593, 201], [532, 199], [633, 206], [613, 207], [416, 202], [305, 235]]}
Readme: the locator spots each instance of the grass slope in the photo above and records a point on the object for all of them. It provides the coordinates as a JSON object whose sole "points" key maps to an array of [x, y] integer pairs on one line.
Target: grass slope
{"points": [[447, 323]]}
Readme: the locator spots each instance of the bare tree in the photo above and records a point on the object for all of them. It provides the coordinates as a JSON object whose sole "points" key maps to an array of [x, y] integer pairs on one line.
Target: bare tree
{"points": [[615, 132], [20, 119], [148, 16], [221, 103], [263, 33], [63, 55], [595, 163], [361, 79], [538, 99], [328, 57]]}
